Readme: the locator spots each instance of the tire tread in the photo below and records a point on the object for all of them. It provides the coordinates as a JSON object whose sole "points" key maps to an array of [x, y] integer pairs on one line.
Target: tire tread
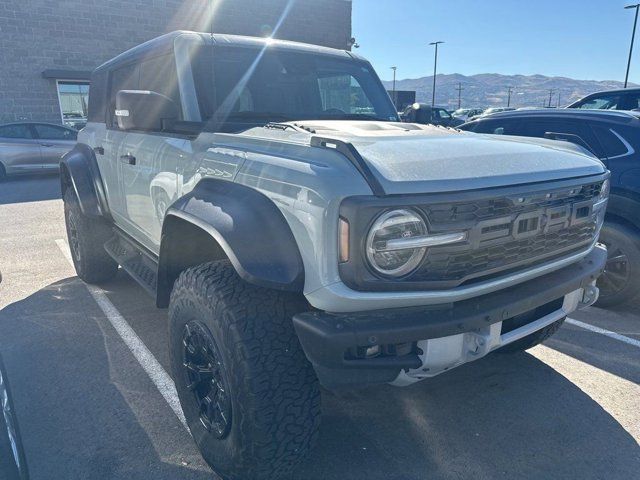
{"points": [[279, 392]]}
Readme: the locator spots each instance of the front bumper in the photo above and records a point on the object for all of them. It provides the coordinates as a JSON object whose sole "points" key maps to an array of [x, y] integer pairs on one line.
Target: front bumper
{"points": [[471, 328]]}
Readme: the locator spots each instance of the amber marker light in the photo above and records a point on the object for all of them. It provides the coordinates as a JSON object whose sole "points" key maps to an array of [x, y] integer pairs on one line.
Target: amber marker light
{"points": [[343, 239]]}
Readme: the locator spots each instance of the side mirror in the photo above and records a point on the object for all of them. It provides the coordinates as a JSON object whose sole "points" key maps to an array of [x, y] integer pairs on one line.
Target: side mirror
{"points": [[144, 110]]}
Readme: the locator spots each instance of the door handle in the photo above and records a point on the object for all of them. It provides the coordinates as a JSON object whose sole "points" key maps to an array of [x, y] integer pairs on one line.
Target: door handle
{"points": [[128, 159], [99, 150]]}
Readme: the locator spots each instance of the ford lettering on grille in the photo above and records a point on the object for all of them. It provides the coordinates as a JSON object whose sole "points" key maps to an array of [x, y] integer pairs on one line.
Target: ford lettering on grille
{"points": [[532, 223], [505, 232]]}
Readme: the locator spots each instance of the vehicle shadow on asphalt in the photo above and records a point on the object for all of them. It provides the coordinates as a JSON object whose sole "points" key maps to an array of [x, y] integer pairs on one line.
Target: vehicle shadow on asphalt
{"points": [[29, 188], [88, 411], [506, 416], [85, 407], [599, 351]]}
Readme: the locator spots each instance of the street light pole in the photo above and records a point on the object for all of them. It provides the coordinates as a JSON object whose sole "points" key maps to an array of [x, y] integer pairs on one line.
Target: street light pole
{"points": [[509, 90], [393, 91], [459, 89], [435, 69], [551, 92], [633, 36]]}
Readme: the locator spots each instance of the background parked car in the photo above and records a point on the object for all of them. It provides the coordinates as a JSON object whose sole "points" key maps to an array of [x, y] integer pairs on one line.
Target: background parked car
{"points": [[466, 114], [423, 113], [626, 99], [33, 147], [614, 137], [491, 111], [75, 120]]}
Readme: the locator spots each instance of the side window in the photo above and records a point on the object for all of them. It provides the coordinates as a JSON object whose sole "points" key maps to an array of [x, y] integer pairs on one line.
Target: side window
{"points": [[123, 78], [605, 102], [443, 114], [538, 128], [633, 101], [50, 132], [15, 131], [496, 127], [160, 75], [611, 141]]}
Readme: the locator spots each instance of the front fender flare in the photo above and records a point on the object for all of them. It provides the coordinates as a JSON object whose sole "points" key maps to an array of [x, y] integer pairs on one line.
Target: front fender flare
{"points": [[79, 170], [249, 228]]}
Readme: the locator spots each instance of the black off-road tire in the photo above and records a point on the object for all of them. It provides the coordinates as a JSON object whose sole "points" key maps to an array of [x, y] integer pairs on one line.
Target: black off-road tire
{"points": [[87, 237], [533, 339], [620, 282], [13, 463], [260, 377]]}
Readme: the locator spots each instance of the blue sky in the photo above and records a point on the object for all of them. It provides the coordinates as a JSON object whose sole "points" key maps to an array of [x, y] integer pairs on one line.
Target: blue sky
{"points": [[582, 39]]}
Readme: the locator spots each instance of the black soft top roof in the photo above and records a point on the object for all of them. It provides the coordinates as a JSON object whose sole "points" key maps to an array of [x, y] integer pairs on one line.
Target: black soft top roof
{"points": [[164, 44]]}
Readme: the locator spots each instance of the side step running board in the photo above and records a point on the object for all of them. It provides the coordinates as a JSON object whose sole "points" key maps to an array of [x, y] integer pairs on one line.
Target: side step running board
{"points": [[135, 261]]}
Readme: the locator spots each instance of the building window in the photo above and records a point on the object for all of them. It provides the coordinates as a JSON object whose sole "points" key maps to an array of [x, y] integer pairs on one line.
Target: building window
{"points": [[74, 98]]}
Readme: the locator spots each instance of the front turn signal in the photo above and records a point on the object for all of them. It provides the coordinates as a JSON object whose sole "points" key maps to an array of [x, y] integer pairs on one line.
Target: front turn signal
{"points": [[343, 240]]}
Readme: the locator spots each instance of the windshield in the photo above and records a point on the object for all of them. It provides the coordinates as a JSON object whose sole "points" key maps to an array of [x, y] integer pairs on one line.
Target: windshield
{"points": [[247, 85]]}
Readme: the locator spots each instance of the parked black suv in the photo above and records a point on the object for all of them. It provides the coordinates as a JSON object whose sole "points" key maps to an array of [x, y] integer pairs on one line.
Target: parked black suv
{"points": [[426, 114], [614, 137], [625, 99]]}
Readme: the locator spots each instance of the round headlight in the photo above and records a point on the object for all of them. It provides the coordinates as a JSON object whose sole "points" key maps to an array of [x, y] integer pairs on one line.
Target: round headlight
{"points": [[383, 256]]}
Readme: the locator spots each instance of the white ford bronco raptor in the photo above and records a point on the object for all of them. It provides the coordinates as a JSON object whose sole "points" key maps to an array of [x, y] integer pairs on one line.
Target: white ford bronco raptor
{"points": [[301, 235]]}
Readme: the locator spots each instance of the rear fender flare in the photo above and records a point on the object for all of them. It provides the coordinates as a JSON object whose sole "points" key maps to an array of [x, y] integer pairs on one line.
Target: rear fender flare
{"points": [[79, 170]]}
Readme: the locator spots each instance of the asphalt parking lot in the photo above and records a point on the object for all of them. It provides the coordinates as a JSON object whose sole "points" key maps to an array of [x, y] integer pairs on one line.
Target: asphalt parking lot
{"points": [[88, 408]]}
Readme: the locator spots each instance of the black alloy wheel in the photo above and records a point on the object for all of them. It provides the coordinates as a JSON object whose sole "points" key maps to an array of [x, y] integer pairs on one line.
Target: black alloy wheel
{"points": [[74, 242], [620, 281], [205, 378], [616, 271]]}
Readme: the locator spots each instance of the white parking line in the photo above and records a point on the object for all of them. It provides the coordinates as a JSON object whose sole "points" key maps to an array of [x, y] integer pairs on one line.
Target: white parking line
{"points": [[602, 331], [147, 361]]}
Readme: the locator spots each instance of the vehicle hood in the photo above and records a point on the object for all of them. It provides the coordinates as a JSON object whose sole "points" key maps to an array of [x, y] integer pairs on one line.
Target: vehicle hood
{"points": [[412, 158]]}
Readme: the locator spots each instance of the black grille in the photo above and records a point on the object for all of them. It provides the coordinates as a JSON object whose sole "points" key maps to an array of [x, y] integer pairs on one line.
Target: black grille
{"points": [[441, 265], [506, 232], [476, 211]]}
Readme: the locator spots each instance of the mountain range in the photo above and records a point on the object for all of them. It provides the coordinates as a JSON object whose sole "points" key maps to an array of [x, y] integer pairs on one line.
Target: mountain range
{"points": [[491, 89]]}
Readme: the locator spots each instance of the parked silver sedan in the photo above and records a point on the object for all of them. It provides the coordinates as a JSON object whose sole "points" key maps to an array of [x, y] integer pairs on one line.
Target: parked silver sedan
{"points": [[33, 147]]}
